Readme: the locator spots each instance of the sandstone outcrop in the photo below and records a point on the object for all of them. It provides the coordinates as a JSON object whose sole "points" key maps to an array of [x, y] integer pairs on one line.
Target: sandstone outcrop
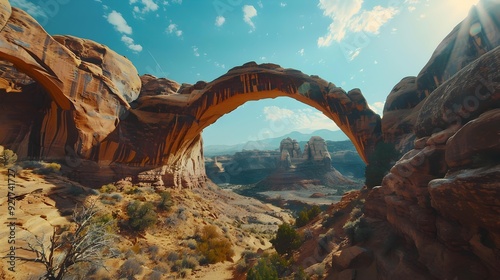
{"points": [[473, 37], [442, 195], [89, 107]]}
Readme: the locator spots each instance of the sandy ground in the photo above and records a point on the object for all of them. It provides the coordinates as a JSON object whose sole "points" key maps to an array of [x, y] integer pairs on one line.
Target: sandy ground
{"points": [[44, 202]]}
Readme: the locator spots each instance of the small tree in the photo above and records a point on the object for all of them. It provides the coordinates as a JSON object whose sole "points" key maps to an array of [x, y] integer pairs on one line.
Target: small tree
{"points": [[89, 243], [264, 270], [287, 239], [141, 215], [8, 158], [213, 246], [165, 202]]}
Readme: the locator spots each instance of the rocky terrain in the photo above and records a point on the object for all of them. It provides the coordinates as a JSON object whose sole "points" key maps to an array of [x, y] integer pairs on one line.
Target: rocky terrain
{"points": [[285, 177], [435, 215]]}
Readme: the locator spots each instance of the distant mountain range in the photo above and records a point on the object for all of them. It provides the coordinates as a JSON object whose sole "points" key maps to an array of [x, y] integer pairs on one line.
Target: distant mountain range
{"points": [[272, 143]]}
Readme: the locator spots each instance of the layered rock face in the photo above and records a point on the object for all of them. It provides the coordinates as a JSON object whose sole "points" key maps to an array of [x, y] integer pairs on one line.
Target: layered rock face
{"points": [[476, 35], [89, 108], [443, 195]]}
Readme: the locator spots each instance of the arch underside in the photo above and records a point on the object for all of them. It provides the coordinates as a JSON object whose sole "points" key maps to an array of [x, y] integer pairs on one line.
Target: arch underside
{"points": [[98, 109]]}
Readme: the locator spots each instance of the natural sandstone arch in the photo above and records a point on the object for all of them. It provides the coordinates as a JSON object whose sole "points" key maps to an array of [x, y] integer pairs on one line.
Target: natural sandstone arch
{"points": [[174, 118], [120, 125]]}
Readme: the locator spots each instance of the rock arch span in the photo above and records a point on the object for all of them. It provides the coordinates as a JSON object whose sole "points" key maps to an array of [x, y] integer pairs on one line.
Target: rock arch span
{"points": [[118, 125]]}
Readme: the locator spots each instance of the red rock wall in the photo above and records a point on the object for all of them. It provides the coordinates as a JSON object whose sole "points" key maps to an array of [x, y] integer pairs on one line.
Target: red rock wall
{"points": [[443, 195], [107, 122]]}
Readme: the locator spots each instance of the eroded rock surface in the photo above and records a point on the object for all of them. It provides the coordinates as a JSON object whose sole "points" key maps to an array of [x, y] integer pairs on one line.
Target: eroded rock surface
{"points": [[443, 195], [89, 107]]}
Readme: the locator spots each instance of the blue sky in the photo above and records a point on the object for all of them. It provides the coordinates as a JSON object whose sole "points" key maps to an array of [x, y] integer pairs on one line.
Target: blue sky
{"points": [[364, 44]]}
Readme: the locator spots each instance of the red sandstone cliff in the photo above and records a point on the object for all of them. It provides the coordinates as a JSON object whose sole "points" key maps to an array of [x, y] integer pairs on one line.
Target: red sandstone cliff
{"points": [[90, 108]]}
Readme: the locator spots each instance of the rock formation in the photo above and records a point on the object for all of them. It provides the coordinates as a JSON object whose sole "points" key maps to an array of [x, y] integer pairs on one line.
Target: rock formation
{"points": [[89, 108], [316, 151], [443, 195]]}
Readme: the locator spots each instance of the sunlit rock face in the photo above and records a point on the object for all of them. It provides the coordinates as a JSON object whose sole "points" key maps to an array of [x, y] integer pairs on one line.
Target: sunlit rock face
{"points": [[87, 106], [443, 195], [478, 34]]}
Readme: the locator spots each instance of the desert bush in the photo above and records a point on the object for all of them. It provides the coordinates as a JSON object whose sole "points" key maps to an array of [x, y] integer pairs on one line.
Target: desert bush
{"points": [[8, 158], [191, 244], [185, 272], [131, 189], [263, 270], [165, 202], [190, 262], [358, 230], [141, 215], [88, 243], [356, 213], [48, 168], [130, 268], [31, 164], [300, 275], [213, 246], [111, 198], [307, 215], [379, 163], [172, 256], [287, 239], [108, 188], [106, 221], [154, 275]]}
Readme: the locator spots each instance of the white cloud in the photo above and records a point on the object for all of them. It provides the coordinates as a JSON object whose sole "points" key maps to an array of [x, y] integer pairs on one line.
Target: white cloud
{"points": [[32, 9], [173, 28], [377, 107], [116, 19], [219, 21], [120, 24], [301, 52], [217, 64], [300, 119], [248, 13], [148, 6], [195, 51], [372, 21], [283, 4], [348, 16], [130, 44]]}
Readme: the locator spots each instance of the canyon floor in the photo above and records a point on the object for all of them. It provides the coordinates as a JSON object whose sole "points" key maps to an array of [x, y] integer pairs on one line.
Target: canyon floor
{"points": [[47, 201]]}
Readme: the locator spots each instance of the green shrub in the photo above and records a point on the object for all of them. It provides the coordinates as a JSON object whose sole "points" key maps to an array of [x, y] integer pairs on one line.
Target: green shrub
{"points": [[358, 230], [8, 158], [108, 188], [264, 270], [52, 167], [106, 221], [287, 239], [213, 246], [130, 268], [165, 202], [131, 189], [307, 215], [379, 163], [31, 164], [141, 215]]}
